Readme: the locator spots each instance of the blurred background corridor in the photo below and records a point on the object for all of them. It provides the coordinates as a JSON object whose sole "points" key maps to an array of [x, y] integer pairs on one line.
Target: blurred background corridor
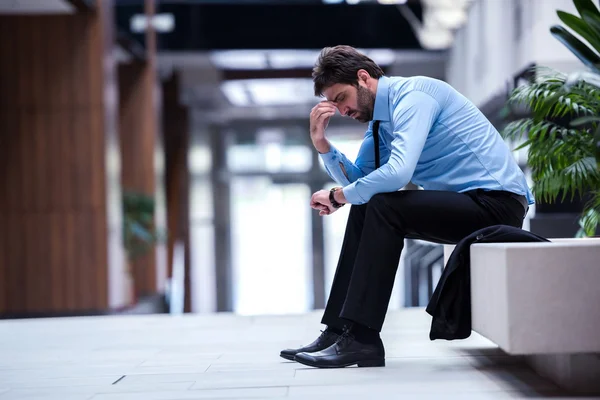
{"points": [[155, 156], [156, 172]]}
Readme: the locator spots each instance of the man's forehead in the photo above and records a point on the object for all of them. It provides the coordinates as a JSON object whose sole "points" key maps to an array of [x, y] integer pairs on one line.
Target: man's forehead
{"points": [[333, 91]]}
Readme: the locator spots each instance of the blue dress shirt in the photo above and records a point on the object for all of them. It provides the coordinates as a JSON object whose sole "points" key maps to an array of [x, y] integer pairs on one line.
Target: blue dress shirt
{"points": [[431, 135]]}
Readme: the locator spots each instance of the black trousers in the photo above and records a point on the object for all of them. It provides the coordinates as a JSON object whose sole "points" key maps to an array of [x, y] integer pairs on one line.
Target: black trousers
{"points": [[374, 238]]}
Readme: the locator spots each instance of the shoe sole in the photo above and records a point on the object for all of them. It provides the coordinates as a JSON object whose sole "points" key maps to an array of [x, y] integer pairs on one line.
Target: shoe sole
{"points": [[360, 364], [290, 358]]}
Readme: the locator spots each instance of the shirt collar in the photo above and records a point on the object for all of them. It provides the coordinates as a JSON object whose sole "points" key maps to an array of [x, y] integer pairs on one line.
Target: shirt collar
{"points": [[381, 109]]}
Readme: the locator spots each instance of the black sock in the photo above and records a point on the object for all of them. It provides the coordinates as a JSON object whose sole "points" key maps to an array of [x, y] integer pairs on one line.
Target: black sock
{"points": [[364, 334]]}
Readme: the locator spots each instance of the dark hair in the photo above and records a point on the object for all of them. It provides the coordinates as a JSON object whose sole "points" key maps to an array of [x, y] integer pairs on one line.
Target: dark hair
{"points": [[340, 64]]}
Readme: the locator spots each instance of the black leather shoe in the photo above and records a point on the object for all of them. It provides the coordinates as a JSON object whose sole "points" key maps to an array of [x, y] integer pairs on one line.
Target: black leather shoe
{"points": [[326, 339], [346, 351]]}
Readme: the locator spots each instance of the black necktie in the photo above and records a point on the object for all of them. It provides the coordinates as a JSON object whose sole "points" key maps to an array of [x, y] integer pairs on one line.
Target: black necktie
{"points": [[376, 142]]}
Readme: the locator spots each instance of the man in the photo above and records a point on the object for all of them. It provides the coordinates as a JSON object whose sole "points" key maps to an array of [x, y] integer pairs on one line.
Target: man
{"points": [[429, 134]]}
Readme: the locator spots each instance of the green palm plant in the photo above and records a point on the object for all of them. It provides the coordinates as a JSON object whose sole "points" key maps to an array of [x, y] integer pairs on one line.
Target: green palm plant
{"points": [[587, 26], [559, 137], [139, 232], [562, 136]]}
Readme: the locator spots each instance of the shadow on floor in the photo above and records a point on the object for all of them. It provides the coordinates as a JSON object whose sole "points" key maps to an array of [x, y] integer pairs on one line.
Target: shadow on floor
{"points": [[516, 375]]}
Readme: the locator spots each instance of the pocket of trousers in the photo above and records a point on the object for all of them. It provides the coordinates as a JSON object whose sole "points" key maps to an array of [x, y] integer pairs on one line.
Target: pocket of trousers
{"points": [[503, 209]]}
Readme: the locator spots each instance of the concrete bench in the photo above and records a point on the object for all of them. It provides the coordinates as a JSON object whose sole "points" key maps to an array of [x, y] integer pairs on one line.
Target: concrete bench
{"points": [[541, 301]]}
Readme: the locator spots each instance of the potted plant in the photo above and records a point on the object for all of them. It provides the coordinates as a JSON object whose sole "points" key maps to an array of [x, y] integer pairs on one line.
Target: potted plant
{"points": [[587, 25], [560, 144], [562, 133], [139, 231]]}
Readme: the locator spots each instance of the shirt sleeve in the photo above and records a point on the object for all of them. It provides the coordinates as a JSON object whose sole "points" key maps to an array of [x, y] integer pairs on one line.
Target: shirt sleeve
{"points": [[342, 170], [413, 116]]}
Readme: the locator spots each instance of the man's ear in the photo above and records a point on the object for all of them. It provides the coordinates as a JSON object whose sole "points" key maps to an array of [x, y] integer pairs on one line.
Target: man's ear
{"points": [[363, 76]]}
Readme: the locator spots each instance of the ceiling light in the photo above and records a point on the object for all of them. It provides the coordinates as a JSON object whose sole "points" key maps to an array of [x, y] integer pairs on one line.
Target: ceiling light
{"points": [[292, 58], [269, 92], [382, 56], [239, 59], [386, 2], [161, 23], [236, 93]]}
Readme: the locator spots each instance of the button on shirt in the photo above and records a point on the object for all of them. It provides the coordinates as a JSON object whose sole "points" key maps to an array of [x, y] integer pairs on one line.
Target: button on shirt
{"points": [[431, 135]]}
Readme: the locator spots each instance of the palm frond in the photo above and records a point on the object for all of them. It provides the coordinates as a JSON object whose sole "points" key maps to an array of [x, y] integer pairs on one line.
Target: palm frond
{"points": [[585, 120], [563, 152], [549, 96], [583, 172], [563, 162], [590, 218], [536, 131], [542, 72], [518, 129], [574, 179]]}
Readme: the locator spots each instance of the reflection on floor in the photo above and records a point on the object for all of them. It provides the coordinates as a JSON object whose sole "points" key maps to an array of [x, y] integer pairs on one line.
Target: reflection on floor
{"points": [[161, 357]]}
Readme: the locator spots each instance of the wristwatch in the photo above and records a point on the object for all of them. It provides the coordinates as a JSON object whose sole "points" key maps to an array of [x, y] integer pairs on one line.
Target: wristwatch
{"points": [[334, 203]]}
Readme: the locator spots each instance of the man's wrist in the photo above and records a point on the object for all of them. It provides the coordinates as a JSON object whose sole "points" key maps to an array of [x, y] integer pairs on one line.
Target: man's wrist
{"points": [[338, 195], [322, 145], [333, 197]]}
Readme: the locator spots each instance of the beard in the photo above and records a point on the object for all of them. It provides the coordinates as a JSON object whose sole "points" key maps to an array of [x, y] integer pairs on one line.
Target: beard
{"points": [[366, 102]]}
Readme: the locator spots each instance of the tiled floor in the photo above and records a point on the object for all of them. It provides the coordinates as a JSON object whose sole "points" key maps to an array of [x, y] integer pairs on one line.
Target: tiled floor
{"points": [[222, 356]]}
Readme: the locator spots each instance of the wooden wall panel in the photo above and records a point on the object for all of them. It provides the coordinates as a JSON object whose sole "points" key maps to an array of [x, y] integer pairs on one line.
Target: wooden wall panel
{"points": [[57, 261], [139, 140], [3, 252], [137, 135], [54, 75], [176, 134], [13, 280]]}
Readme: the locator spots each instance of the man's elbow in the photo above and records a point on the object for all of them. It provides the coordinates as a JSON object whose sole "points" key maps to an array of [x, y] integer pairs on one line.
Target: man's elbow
{"points": [[400, 183], [400, 179], [393, 185]]}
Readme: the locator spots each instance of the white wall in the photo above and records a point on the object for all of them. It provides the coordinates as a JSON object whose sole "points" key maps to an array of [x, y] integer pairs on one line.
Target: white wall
{"points": [[501, 38]]}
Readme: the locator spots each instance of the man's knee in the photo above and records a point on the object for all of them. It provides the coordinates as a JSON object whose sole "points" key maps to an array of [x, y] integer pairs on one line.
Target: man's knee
{"points": [[379, 200], [358, 208], [357, 211], [397, 202], [389, 207]]}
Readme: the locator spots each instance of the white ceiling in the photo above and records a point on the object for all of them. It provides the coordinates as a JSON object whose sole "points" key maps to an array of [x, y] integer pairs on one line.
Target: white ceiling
{"points": [[36, 7], [283, 59], [204, 88], [268, 92]]}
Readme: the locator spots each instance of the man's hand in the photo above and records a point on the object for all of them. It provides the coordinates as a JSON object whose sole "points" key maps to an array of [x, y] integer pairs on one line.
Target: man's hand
{"points": [[319, 119], [320, 201]]}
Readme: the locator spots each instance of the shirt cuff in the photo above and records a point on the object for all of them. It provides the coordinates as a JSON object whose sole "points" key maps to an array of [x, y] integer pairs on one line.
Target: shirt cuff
{"points": [[351, 194], [332, 157]]}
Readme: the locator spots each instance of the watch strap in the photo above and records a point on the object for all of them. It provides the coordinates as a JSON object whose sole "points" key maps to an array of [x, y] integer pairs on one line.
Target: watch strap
{"points": [[334, 203]]}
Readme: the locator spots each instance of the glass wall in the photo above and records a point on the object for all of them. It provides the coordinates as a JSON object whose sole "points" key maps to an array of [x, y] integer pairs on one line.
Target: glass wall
{"points": [[201, 230], [270, 226], [271, 247]]}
